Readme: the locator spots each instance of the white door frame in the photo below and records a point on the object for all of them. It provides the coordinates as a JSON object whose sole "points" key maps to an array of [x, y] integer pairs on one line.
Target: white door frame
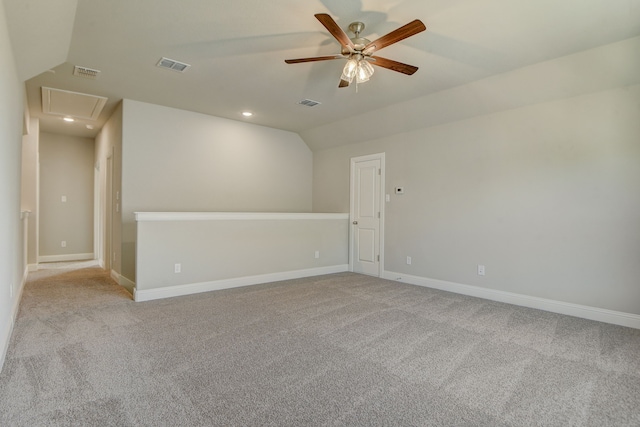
{"points": [[108, 226], [97, 208], [354, 160]]}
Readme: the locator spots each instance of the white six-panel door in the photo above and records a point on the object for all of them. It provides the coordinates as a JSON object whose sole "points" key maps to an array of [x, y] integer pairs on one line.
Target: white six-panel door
{"points": [[366, 214]]}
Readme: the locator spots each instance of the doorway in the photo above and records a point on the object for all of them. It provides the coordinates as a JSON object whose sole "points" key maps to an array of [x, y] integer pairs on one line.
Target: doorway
{"points": [[366, 232]]}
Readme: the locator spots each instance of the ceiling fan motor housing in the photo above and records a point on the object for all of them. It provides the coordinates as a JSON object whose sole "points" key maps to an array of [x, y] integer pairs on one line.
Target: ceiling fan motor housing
{"points": [[358, 42]]}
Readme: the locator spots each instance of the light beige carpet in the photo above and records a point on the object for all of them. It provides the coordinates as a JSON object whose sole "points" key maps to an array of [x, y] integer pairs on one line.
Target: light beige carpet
{"points": [[341, 349]]}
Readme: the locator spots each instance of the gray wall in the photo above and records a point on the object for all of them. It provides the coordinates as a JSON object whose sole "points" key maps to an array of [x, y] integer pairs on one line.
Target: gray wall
{"points": [[547, 197], [66, 169], [176, 160], [11, 248]]}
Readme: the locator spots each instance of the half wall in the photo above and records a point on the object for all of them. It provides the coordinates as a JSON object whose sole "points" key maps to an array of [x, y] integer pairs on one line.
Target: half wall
{"points": [[181, 253]]}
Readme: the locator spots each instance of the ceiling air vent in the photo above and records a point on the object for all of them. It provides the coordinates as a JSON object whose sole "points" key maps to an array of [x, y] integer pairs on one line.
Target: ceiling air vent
{"points": [[172, 64], [309, 102], [85, 72]]}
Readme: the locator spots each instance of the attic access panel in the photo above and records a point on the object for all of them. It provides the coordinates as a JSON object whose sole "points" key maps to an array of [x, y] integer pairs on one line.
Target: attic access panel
{"points": [[73, 104]]}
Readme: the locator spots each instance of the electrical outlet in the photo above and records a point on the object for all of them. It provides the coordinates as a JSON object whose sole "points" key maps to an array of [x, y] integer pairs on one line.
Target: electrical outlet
{"points": [[177, 268], [408, 260], [63, 243], [317, 254], [480, 270]]}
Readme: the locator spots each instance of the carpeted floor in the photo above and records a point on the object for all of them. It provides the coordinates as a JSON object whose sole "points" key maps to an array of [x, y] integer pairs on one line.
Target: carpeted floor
{"points": [[341, 349]]}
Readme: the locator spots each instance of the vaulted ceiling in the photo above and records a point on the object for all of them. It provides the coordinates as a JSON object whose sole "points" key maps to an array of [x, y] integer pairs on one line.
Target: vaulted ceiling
{"points": [[476, 55]]}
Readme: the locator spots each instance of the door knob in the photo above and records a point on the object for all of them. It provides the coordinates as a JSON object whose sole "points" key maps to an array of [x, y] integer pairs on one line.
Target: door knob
{"points": [[355, 222]]}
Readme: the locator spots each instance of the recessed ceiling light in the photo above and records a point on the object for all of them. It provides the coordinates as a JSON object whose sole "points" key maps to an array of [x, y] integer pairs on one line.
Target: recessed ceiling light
{"points": [[89, 126], [247, 113], [69, 119]]}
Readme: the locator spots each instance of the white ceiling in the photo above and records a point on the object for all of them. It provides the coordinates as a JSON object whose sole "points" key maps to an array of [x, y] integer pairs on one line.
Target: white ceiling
{"points": [[237, 49]]}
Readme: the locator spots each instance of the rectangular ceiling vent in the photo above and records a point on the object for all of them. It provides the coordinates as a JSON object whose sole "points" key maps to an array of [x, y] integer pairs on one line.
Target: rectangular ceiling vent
{"points": [[172, 64], [309, 102], [85, 72]]}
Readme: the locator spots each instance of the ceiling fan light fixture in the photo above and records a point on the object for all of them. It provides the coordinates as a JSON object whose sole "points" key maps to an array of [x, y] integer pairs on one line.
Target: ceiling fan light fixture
{"points": [[365, 71], [346, 78], [350, 69], [359, 50], [361, 77]]}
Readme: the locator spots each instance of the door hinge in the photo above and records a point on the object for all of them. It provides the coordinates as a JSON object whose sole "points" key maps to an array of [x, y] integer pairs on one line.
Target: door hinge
{"points": [[378, 258], [379, 171], [378, 214]]}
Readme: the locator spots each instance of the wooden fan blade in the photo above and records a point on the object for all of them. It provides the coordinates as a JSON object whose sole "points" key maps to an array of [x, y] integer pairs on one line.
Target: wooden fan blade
{"points": [[313, 59], [394, 65], [343, 83], [412, 28], [335, 30]]}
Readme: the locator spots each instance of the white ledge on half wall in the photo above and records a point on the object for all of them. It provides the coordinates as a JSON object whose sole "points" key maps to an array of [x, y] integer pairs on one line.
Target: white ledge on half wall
{"points": [[253, 216]]}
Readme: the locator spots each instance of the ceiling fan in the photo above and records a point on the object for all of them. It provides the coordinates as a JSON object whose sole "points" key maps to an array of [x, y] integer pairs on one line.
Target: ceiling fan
{"points": [[359, 51]]}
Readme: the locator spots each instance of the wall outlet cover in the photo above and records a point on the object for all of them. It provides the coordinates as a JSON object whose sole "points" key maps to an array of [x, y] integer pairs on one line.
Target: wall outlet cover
{"points": [[480, 270]]}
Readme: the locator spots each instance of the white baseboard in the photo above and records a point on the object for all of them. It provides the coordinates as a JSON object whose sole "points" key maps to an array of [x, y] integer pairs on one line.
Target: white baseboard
{"points": [[127, 284], [124, 281], [586, 312], [5, 338], [121, 280], [194, 288], [32, 267], [64, 258], [5, 335], [25, 276]]}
